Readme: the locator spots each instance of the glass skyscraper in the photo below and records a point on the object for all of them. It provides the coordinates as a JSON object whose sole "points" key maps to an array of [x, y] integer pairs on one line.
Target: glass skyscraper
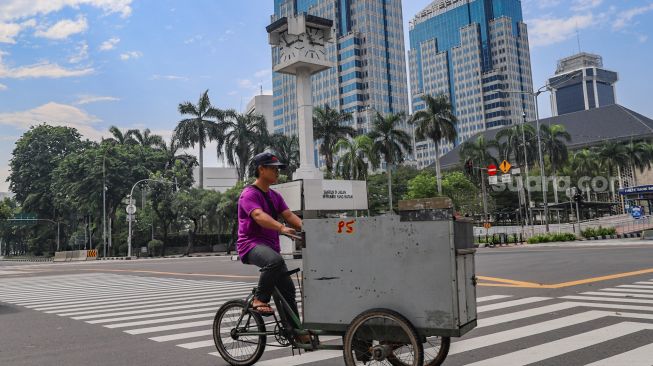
{"points": [[370, 55], [474, 52], [581, 83]]}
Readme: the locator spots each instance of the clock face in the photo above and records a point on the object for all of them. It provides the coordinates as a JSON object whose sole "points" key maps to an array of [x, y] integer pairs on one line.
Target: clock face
{"points": [[309, 45], [288, 46]]}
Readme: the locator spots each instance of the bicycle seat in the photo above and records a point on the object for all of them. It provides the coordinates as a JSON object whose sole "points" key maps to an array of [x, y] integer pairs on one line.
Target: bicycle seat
{"points": [[292, 272]]}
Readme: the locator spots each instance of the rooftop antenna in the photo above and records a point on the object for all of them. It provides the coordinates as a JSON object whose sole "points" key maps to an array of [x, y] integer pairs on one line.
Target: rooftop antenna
{"points": [[578, 37], [261, 85]]}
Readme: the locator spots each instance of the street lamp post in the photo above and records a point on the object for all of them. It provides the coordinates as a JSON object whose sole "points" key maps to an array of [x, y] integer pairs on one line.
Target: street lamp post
{"points": [[131, 194], [104, 204], [539, 152]]}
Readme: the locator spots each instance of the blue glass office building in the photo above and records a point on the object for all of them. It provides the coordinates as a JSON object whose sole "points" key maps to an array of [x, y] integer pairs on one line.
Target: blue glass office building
{"points": [[370, 55], [472, 51]]}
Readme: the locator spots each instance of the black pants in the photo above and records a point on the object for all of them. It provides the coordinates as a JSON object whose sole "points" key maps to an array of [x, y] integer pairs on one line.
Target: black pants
{"points": [[273, 268]]}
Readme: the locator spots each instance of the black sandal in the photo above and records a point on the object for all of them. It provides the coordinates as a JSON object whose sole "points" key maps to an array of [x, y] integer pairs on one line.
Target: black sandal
{"points": [[257, 309]]}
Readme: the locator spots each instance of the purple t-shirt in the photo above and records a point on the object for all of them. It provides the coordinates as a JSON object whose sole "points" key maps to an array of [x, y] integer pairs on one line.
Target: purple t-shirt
{"points": [[249, 232]]}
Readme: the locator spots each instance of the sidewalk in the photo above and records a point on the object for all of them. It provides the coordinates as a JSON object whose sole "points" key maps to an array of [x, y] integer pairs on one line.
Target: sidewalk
{"points": [[581, 243]]}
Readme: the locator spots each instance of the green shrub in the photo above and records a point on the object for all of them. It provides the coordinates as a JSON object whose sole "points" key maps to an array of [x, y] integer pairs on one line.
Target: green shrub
{"points": [[600, 231], [551, 237], [154, 247]]}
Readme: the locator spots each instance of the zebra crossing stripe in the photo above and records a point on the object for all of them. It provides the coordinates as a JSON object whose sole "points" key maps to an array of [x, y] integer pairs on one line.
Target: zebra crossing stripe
{"points": [[637, 286], [507, 304], [524, 314], [164, 320], [628, 290], [215, 304], [144, 316], [618, 294], [565, 345], [538, 328], [491, 298], [638, 357], [595, 298], [170, 327], [298, 360], [199, 344], [142, 304], [178, 336]]}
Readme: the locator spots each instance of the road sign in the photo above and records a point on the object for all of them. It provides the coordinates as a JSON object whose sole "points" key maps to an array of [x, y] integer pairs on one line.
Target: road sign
{"points": [[131, 209], [130, 218], [492, 170], [493, 179], [25, 216], [515, 171], [505, 166], [487, 225], [506, 178], [636, 212]]}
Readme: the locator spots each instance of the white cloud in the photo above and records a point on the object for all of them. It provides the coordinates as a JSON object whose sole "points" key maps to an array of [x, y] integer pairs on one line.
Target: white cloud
{"points": [[18, 9], [194, 39], [40, 70], [55, 114], [263, 73], [233, 92], [131, 54], [9, 31], [86, 99], [109, 44], [3, 87], [246, 84], [548, 31], [169, 77], [81, 55], [642, 38], [64, 29], [584, 5], [625, 18]]}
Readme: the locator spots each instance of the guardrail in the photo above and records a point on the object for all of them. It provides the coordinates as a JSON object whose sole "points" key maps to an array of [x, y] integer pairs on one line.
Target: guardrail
{"points": [[623, 225], [76, 255]]}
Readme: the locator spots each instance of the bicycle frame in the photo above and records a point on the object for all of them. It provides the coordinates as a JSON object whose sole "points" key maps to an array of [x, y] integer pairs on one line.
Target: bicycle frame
{"points": [[287, 316]]}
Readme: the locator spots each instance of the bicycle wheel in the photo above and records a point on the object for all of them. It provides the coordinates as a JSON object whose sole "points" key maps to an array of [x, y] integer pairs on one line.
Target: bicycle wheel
{"points": [[378, 336], [436, 350], [238, 350]]}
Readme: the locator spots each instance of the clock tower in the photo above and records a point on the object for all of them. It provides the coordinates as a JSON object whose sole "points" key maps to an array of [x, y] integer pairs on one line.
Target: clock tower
{"points": [[301, 41]]}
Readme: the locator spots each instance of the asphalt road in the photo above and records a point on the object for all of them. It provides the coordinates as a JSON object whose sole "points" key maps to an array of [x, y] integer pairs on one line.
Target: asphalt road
{"points": [[543, 305]]}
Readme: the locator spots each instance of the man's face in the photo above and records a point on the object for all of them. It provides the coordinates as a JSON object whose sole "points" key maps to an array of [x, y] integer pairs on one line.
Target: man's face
{"points": [[269, 173]]}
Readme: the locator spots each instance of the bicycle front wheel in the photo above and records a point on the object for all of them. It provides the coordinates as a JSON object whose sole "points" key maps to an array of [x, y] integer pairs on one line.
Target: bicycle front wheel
{"points": [[382, 337], [230, 326]]}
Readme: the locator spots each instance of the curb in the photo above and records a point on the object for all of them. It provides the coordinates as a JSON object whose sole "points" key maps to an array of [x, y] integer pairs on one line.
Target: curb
{"points": [[26, 259]]}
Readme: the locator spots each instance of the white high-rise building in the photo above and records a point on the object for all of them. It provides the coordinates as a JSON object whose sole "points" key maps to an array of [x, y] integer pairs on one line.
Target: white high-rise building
{"points": [[474, 52], [370, 55]]}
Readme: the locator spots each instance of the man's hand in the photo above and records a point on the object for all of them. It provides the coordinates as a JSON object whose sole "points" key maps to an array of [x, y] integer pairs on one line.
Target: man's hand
{"points": [[285, 230]]}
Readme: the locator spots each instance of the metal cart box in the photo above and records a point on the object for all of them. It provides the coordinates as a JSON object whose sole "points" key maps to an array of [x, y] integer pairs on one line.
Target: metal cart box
{"points": [[413, 267]]}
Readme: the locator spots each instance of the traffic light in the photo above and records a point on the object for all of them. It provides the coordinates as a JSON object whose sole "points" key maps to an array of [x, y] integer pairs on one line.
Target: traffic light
{"points": [[578, 197], [469, 167]]}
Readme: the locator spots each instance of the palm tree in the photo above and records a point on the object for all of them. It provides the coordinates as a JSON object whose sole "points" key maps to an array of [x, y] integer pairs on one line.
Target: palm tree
{"points": [[638, 156], [478, 151], [198, 129], [511, 143], [555, 139], [438, 123], [172, 157], [585, 163], [241, 136], [329, 127], [613, 156], [120, 138], [287, 149], [146, 138], [358, 157], [391, 142]]}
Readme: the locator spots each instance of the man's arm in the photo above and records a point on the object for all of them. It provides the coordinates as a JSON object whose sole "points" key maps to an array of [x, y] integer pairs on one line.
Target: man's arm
{"points": [[292, 219], [268, 222]]}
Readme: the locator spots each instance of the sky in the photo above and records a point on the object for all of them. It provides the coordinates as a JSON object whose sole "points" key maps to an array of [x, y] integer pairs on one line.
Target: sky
{"points": [[91, 64]]}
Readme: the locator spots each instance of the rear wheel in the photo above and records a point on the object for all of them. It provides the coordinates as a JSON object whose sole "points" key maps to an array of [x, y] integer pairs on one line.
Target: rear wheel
{"points": [[231, 321], [436, 350], [382, 337]]}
